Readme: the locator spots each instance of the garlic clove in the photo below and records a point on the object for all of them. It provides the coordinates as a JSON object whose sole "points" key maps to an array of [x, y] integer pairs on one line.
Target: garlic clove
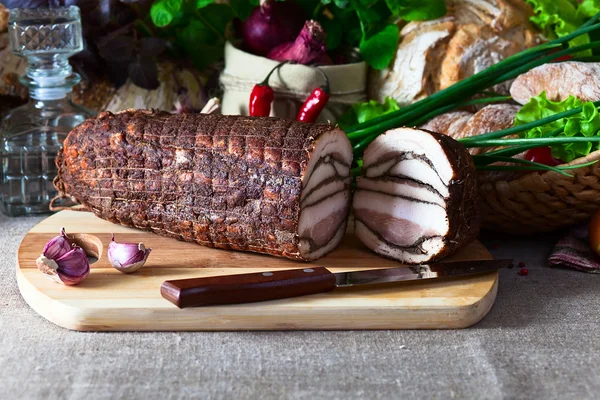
{"points": [[47, 266], [127, 257], [57, 246], [73, 267]]}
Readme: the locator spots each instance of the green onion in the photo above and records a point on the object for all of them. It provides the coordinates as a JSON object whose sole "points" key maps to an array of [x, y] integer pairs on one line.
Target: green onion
{"points": [[514, 150], [362, 134], [559, 169], [524, 127], [458, 89], [534, 142], [483, 100]]}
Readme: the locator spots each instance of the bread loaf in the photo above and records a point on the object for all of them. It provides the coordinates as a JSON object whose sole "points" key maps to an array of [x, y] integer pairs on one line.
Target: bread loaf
{"points": [[559, 81], [491, 118]]}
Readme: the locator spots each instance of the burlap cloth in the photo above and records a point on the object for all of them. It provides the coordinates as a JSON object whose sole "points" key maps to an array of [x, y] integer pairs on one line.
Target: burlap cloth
{"points": [[292, 84], [539, 342]]}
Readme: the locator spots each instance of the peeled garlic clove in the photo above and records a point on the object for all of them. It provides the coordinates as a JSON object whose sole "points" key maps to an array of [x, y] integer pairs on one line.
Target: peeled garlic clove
{"points": [[73, 267], [57, 246], [127, 257]]}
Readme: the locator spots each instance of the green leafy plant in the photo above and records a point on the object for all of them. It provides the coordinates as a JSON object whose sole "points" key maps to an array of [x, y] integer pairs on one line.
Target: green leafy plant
{"points": [[197, 28], [583, 124], [371, 25], [361, 112]]}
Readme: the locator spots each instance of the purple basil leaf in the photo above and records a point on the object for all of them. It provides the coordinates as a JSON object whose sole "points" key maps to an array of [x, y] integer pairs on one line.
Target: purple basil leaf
{"points": [[24, 3], [88, 62], [144, 73], [151, 47], [118, 73], [118, 49]]}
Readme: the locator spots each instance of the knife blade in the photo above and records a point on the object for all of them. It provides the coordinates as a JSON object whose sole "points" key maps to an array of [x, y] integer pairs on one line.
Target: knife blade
{"points": [[273, 285]]}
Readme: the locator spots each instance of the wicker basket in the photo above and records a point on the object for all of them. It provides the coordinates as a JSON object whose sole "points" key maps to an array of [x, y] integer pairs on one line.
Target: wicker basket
{"points": [[542, 202]]}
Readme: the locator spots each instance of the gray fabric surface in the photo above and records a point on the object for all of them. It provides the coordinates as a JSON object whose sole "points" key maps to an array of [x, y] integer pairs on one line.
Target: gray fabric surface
{"points": [[539, 341]]}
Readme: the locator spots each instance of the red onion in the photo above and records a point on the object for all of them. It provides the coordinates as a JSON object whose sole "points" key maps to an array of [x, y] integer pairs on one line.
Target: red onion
{"points": [[271, 24], [308, 46]]}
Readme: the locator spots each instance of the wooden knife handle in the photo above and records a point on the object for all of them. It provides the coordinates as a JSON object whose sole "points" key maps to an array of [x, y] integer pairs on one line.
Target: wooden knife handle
{"points": [[247, 288]]}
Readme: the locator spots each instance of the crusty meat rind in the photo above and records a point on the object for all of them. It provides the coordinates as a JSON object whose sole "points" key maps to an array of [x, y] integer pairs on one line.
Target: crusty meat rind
{"points": [[229, 182], [461, 203]]}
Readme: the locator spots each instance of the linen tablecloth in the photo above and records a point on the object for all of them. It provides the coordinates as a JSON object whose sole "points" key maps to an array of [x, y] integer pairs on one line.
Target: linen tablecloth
{"points": [[540, 340]]}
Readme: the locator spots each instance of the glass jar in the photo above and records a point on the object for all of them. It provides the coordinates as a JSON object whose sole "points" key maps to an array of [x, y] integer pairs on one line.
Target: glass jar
{"points": [[32, 134]]}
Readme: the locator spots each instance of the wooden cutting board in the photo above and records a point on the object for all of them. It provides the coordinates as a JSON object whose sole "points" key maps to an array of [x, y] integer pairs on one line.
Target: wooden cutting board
{"points": [[111, 301]]}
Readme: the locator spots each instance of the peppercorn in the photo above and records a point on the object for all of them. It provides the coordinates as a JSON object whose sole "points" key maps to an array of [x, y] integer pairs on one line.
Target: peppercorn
{"points": [[523, 272]]}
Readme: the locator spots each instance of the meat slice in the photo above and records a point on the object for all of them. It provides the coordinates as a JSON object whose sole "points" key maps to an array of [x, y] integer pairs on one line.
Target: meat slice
{"points": [[265, 185], [417, 200], [410, 75], [559, 81]]}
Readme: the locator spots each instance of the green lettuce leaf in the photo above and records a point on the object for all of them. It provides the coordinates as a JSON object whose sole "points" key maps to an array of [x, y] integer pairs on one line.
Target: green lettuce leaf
{"points": [[586, 123], [588, 8], [361, 112], [557, 18]]}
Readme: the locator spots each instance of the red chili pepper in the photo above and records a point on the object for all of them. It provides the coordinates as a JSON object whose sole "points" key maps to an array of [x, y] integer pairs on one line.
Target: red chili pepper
{"points": [[315, 103], [542, 155], [262, 96]]}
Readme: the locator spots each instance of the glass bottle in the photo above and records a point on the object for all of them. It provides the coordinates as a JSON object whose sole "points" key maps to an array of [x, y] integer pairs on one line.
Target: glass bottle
{"points": [[32, 134]]}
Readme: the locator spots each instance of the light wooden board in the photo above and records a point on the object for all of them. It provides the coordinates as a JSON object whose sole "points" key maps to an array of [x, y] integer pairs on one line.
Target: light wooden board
{"points": [[111, 301]]}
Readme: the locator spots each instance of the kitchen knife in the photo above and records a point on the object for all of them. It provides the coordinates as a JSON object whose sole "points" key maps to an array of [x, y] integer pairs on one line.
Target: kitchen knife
{"points": [[272, 285]]}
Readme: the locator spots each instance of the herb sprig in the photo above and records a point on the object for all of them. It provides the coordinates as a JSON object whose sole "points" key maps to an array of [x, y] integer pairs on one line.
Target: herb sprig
{"points": [[371, 25]]}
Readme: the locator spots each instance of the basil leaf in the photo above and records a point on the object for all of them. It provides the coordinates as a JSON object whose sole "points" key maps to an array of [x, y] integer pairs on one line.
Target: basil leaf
{"points": [[200, 43], [369, 19], [118, 49], [333, 38], [379, 49], [203, 3], [152, 47], [162, 12], [217, 17], [241, 8], [338, 3], [144, 73], [417, 10]]}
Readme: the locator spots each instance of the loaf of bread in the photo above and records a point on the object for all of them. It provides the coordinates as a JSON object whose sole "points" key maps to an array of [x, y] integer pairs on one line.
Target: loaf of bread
{"points": [[491, 118], [559, 81]]}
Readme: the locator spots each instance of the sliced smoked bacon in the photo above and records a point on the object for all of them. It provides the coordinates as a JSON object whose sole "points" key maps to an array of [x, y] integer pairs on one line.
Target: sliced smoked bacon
{"points": [[265, 185], [417, 199]]}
